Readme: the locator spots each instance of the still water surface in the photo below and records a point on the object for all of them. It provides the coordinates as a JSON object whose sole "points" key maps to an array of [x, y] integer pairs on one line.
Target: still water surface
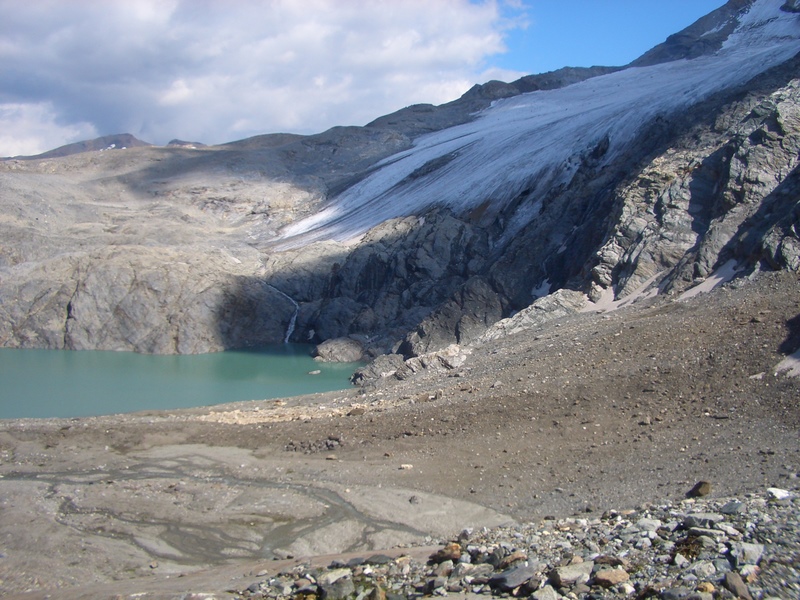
{"points": [[62, 383]]}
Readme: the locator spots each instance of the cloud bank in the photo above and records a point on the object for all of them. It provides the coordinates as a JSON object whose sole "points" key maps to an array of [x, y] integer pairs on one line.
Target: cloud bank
{"points": [[219, 70]]}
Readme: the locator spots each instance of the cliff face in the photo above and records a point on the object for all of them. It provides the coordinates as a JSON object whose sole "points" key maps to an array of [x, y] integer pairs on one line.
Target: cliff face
{"points": [[621, 183], [726, 191]]}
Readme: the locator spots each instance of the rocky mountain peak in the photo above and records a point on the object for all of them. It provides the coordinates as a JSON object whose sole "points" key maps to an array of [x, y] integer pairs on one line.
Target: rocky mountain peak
{"points": [[791, 6], [703, 37]]}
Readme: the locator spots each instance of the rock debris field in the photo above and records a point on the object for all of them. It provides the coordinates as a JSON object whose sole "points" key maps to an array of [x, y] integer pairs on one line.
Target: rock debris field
{"points": [[557, 458], [731, 548]]}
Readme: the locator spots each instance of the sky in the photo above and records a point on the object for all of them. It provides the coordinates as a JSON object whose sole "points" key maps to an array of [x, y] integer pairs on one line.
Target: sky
{"points": [[215, 71]]}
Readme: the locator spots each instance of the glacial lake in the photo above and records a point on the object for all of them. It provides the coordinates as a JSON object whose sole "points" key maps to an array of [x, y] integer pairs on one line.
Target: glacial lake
{"points": [[63, 383]]}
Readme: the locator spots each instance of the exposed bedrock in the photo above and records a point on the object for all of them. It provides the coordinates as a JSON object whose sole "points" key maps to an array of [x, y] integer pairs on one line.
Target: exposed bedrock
{"points": [[397, 274], [719, 183], [146, 300], [726, 190]]}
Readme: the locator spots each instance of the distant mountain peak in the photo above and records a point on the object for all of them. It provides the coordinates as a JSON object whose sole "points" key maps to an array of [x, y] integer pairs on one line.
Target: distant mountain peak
{"points": [[704, 36], [176, 143], [118, 141]]}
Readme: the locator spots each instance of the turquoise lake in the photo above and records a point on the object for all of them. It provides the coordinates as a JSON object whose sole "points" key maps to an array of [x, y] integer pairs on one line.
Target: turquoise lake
{"points": [[62, 383]]}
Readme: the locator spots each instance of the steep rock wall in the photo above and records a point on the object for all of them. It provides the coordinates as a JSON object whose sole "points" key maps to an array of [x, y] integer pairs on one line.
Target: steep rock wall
{"points": [[706, 199], [380, 288]]}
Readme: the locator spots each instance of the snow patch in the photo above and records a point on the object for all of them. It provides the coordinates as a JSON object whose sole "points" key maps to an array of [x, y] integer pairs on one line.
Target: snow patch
{"points": [[722, 275], [607, 303], [541, 291]]}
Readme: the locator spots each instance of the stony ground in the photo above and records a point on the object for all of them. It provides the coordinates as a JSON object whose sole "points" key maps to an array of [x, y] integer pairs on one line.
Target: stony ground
{"points": [[693, 549], [593, 413]]}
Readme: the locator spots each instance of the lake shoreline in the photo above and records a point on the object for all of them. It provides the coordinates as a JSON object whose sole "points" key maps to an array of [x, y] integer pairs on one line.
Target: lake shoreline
{"points": [[83, 383]]}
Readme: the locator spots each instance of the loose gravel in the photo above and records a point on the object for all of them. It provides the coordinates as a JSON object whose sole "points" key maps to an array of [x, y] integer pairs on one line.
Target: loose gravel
{"points": [[700, 549]]}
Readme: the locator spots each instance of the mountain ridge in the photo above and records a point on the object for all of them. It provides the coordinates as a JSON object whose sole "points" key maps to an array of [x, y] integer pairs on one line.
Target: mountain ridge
{"points": [[118, 141], [475, 98]]}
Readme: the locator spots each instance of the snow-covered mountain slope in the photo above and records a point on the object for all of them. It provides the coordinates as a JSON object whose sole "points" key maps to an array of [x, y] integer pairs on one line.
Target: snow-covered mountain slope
{"points": [[533, 142]]}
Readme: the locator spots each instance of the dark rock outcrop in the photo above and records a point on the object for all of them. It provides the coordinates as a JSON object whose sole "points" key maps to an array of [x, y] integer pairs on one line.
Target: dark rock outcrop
{"points": [[704, 36], [791, 6], [722, 191], [399, 273]]}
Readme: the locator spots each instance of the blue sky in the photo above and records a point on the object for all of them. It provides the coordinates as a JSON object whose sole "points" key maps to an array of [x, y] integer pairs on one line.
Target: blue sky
{"points": [[593, 32], [220, 70]]}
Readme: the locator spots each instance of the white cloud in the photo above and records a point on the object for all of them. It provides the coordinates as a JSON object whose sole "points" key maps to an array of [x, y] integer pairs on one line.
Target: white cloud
{"points": [[178, 93], [27, 129], [214, 71]]}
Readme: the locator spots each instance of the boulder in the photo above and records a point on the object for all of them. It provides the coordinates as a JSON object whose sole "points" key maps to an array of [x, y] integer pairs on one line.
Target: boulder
{"points": [[549, 308], [733, 583], [744, 553], [385, 365], [571, 574], [344, 350], [512, 578], [611, 577]]}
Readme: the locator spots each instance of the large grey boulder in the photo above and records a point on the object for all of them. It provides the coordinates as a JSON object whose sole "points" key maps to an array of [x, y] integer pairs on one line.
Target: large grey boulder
{"points": [[345, 350]]}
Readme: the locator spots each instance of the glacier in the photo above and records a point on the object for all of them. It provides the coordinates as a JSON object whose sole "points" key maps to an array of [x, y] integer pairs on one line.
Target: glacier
{"points": [[532, 142]]}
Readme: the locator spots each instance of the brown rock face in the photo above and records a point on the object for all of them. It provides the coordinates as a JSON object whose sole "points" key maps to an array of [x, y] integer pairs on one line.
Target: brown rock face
{"points": [[451, 551]]}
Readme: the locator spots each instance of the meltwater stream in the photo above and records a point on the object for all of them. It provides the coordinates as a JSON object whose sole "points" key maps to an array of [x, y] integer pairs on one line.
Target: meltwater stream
{"points": [[62, 383]]}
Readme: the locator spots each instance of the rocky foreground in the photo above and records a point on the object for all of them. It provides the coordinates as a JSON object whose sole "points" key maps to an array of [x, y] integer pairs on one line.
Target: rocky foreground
{"points": [[747, 548]]}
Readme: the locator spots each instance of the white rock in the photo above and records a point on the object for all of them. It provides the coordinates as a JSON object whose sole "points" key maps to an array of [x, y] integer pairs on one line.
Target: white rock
{"points": [[779, 494], [747, 554], [648, 524], [627, 589]]}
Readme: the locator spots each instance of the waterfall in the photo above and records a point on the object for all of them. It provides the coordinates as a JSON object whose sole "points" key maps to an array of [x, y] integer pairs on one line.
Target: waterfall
{"points": [[293, 320]]}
